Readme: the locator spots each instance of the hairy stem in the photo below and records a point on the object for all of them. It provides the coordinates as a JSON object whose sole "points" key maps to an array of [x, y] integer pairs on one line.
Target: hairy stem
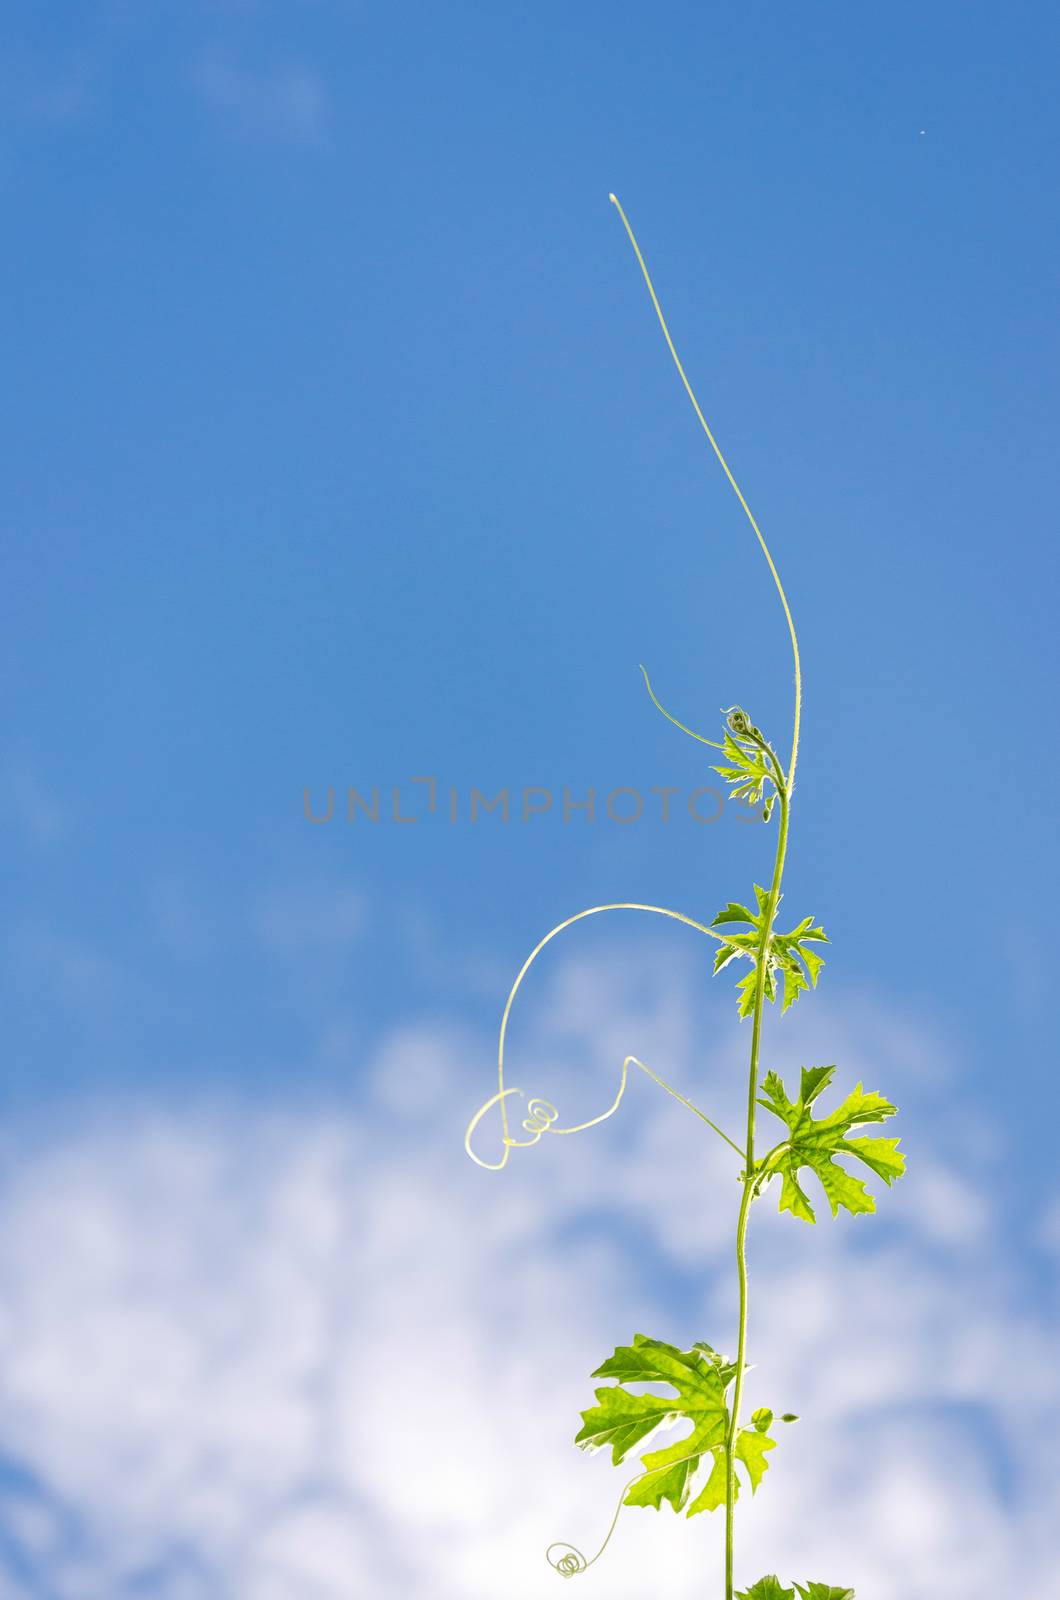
{"points": [[748, 1187]]}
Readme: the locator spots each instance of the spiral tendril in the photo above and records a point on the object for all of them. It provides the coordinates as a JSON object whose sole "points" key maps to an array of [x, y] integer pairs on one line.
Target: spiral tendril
{"points": [[541, 1114], [570, 1563], [573, 1562]]}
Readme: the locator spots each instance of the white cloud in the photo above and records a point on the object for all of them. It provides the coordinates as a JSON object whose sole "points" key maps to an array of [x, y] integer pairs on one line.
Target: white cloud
{"points": [[289, 101], [67, 972], [291, 1355], [27, 802], [180, 917], [310, 932], [38, 96], [305, 919], [415, 1071]]}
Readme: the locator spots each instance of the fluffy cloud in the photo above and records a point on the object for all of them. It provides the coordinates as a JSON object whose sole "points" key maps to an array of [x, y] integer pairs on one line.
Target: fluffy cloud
{"points": [[289, 101], [295, 1355]]}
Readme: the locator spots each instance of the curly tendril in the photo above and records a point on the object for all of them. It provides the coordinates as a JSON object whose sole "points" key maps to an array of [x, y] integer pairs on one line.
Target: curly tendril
{"points": [[541, 1115], [572, 1562]]}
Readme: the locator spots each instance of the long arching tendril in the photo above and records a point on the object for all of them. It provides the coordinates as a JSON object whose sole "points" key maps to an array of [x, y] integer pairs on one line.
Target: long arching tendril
{"points": [[736, 490]]}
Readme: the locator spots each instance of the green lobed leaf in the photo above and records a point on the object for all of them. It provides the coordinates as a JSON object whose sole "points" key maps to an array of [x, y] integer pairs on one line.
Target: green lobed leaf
{"points": [[815, 1143], [734, 912], [621, 1420], [712, 1494], [726, 1369], [771, 1588], [752, 1447], [745, 769], [790, 956]]}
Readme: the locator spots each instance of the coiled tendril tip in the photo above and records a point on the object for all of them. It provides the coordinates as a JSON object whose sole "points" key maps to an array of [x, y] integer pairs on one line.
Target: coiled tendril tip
{"points": [[570, 1563]]}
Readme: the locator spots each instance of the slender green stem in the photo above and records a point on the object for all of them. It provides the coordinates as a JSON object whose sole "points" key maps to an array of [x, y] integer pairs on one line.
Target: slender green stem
{"points": [[785, 784], [748, 1188], [730, 1442]]}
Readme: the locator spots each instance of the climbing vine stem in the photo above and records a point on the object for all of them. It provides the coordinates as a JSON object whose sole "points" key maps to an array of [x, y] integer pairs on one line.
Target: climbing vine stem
{"points": [[704, 1388], [783, 789], [749, 1184], [784, 786]]}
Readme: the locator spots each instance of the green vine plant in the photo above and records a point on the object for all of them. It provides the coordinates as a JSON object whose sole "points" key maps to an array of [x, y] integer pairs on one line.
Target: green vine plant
{"points": [[700, 1387]]}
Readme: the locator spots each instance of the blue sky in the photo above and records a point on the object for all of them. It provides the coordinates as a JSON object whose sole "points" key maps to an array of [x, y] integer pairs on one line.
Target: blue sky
{"points": [[343, 448]]}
